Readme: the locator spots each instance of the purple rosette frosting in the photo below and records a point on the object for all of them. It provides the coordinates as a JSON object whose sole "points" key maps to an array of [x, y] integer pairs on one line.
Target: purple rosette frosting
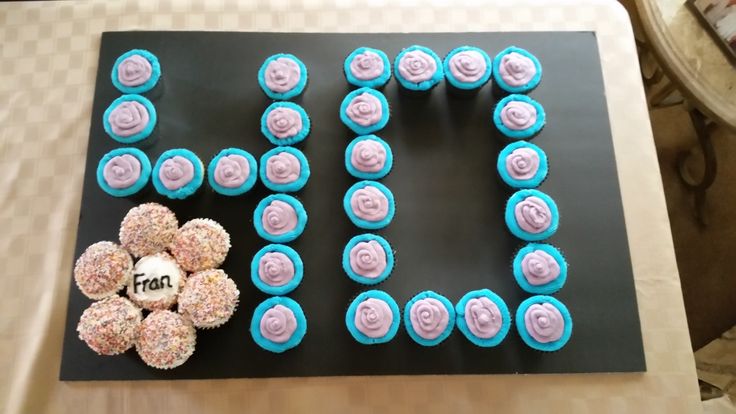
{"points": [[539, 268], [276, 269], [232, 171], [176, 172], [283, 168], [135, 70], [373, 318], [365, 109], [282, 74], [522, 163], [516, 69], [279, 218], [429, 318], [369, 203], [517, 115], [122, 171], [544, 322], [128, 118], [468, 66], [417, 66], [284, 122], [368, 259], [278, 324], [483, 317], [533, 215], [367, 65]]}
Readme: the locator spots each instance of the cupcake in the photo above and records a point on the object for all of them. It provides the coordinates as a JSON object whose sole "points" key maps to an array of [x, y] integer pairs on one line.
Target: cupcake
{"points": [[200, 244], [369, 158], [429, 318], [368, 259], [148, 229], [178, 173], [110, 326], [544, 323], [284, 170], [156, 282], [364, 111], [467, 68], [369, 205], [279, 218], [276, 269], [531, 215], [418, 68], [129, 119], [285, 123], [278, 324], [123, 172], [209, 298], [373, 318], [522, 165], [165, 340], [136, 71], [516, 71], [282, 76], [483, 317], [232, 172], [366, 67], [102, 270], [540, 269], [519, 117]]}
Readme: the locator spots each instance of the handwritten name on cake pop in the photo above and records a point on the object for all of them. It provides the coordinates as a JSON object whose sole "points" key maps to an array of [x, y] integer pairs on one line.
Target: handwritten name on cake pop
{"points": [[151, 283]]}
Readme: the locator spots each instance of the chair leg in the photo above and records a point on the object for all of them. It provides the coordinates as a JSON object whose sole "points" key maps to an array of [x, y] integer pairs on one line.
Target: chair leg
{"points": [[699, 187]]}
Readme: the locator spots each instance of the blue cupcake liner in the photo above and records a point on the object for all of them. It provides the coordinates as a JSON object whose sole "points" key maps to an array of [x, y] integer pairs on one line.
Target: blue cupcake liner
{"points": [[146, 86], [297, 185], [138, 185], [359, 129], [360, 336], [519, 133], [296, 90], [145, 133], [187, 190], [277, 290], [371, 83], [362, 279], [514, 226], [465, 85], [462, 325], [407, 318], [547, 288], [424, 85], [531, 342], [365, 224], [299, 137], [516, 89], [533, 182], [369, 175], [267, 344], [301, 216], [243, 188]]}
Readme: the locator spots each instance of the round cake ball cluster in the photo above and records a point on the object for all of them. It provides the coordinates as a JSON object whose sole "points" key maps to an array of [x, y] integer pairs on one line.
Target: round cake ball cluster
{"points": [[157, 283]]}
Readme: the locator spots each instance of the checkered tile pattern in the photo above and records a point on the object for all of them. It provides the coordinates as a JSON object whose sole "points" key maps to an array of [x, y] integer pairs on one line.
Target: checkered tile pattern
{"points": [[48, 54]]}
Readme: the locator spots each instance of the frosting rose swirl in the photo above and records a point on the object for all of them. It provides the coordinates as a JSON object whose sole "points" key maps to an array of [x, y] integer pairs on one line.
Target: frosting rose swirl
{"points": [[429, 318], [368, 259], [122, 171], [417, 66], [284, 122], [275, 269], [373, 318], [517, 115], [365, 109], [544, 322], [176, 172], [516, 69], [279, 218], [282, 74], [483, 317], [369, 203], [278, 324], [539, 267], [128, 118], [232, 171], [367, 65], [283, 168], [134, 70], [468, 66], [368, 156], [533, 215], [522, 163]]}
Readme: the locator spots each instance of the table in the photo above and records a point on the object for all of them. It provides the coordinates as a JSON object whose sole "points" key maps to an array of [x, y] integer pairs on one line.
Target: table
{"points": [[700, 70], [49, 54]]}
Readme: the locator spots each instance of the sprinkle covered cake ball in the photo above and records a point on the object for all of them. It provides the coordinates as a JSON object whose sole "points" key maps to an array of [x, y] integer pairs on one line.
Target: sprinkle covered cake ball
{"points": [[165, 339], [209, 298], [200, 244], [148, 229], [110, 326], [103, 269]]}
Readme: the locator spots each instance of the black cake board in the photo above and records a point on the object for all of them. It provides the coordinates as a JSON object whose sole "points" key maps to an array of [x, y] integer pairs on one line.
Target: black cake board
{"points": [[448, 233]]}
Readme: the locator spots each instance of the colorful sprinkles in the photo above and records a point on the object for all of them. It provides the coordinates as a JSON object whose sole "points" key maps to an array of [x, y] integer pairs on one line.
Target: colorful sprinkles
{"points": [[110, 326], [209, 298], [102, 270], [147, 229], [166, 340], [200, 244]]}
